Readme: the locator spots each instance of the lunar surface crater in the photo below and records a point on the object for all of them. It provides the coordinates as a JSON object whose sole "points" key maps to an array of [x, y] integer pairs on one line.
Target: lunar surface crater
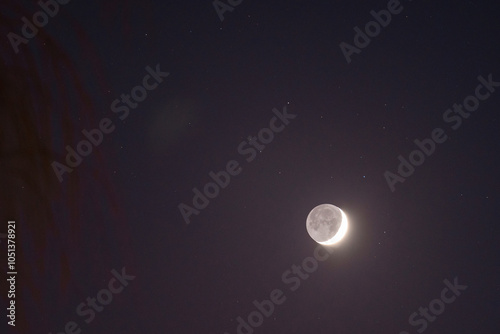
{"points": [[324, 222]]}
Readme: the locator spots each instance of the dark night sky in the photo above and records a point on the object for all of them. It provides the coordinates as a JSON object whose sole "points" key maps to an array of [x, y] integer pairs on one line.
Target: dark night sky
{"points": [[119, 207]]}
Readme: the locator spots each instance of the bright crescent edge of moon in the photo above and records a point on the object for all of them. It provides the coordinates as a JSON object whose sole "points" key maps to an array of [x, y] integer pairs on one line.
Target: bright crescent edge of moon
{"points": [[340, 234]]}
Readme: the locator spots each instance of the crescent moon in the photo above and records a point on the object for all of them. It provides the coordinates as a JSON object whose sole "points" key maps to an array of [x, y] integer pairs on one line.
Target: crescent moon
{"points": [[341, 232]]}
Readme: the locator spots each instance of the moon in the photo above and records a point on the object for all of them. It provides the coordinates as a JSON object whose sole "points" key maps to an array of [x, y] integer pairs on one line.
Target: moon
{"points": [[326, 224]]}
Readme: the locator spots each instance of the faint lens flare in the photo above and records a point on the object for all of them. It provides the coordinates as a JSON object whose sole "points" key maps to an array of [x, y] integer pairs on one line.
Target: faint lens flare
{"points": [[172, 124], [44, 96]]}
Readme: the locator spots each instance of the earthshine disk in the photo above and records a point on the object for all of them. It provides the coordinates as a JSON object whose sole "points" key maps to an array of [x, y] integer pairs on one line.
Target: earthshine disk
{"points": [[326, 224]]}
